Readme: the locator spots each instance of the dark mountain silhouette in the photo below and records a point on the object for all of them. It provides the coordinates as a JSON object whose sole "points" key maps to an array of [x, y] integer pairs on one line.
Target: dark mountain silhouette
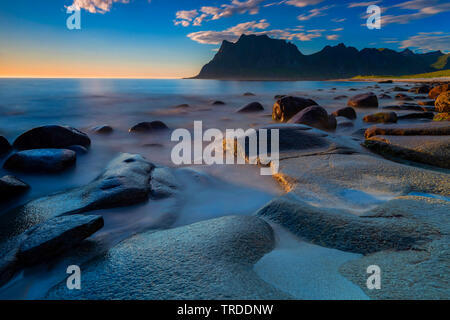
{"points": [[255, 57]]}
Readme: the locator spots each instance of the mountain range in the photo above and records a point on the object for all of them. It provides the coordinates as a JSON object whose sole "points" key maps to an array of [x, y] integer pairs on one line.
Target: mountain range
{"points": [[259, 57]]}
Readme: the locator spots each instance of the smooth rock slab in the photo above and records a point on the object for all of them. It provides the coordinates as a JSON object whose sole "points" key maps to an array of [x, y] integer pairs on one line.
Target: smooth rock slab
{"points": [[208, 260], [52, 137], [41, 160], [11, 187], [126, 181]]}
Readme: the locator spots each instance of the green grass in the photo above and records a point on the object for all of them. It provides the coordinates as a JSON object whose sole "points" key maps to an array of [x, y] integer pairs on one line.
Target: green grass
{"points": [[436, 74], [442, 62]]}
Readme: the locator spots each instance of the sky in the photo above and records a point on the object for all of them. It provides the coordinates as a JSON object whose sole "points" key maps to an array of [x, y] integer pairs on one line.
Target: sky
{"points": [[175, 38]]}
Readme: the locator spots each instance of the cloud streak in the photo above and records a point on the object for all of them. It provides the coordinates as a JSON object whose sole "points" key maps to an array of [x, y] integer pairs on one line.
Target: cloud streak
{"points": [[95, 6]]}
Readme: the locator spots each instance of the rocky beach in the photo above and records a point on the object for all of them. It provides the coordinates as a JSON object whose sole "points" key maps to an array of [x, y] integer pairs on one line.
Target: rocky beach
{"points": [[87, 180]]}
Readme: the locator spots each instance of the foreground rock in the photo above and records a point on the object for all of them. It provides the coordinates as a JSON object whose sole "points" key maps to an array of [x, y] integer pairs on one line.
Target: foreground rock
{"points": [[381, 117], [436, 91], [51, 137], [422, 129], [348, 113], [47, 241], [41, 160], [126, 181], [316, 117], [251, 107], [443, 102], [11, 187], [364, 100], [285, 108], [208, 260], [4, 145], [432, 150], [148, 127]]}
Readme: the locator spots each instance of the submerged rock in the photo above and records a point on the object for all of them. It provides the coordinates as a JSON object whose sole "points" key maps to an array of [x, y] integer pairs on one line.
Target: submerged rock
{"points": [[423, 129], [126, 181], [251, 107], [51, 137], [443, 102], [104, 129], [315, 116], [381, 117], [364, 100], [4, 145], [384, 96], [403, 97], [41, 160], [146, 127], [348, 113], [11, 187], [207, 260], [285, 108], [218, 103]]}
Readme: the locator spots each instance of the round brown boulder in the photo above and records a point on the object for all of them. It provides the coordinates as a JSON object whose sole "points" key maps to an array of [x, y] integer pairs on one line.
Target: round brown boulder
{"points": [[315, 116], [364, 100], [443, 102], [348, 113], [286, 107], [381, 117], [436, 91]]}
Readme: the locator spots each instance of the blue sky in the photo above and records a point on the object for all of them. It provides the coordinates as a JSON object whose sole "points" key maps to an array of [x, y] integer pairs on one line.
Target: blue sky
{"points": [[174, 38]]}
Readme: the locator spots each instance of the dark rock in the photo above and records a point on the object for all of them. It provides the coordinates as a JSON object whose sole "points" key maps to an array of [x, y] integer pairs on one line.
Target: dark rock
{"points": [[436, 91], [78, 149], [104, 129], [419, 97], [166, 264], [218, 103], [427, 103], [4, 145], [145, 127], [352, 89], [340, 97], [249, 94], [384, 96], [125, 182], [403, 97], [41, 160], [11, 187], [418, 115], [399, 89], [386, 81], [55, 236], [51, 137], [286, 107], [347, 112], [364, 100], [425, 129], [251, 107], [443, 102], [315, 116], [404, 107], [420, 89], [381, 117]]}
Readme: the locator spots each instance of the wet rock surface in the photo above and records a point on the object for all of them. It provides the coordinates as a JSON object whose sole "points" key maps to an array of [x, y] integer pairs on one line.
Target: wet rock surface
{"points": [[190, 262], [364, 100], [348, 113], [11, 187], [285, 108], [41, 160], [51, 137], [315, 116], [381, 117]]}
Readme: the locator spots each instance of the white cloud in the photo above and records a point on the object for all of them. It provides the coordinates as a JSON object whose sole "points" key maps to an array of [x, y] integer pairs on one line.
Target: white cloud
{"points": [[339, 20], [316, 12], [332, 37], [428, 41], [303, 3], [363, 4], [95, 6]]}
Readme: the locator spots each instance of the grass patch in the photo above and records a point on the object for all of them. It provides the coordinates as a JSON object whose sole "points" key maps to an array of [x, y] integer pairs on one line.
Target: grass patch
{"points": [[435, 74]]}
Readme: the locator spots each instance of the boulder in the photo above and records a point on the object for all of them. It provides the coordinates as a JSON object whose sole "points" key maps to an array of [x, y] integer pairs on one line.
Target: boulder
{"points": [[403, 97], [248, 94], [443, 102], [4, 145], [422, 129], [416, 115], [381, 117], [251, 107], [442, 117], [41, 160], [51, 137], [348, 113], [285, 108], [212, 259], [148, 127], [11, 187], [315, 116], [218, 103], [436, 91], [104, 129], [384, 96], [125, 182], [364, 100]]}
